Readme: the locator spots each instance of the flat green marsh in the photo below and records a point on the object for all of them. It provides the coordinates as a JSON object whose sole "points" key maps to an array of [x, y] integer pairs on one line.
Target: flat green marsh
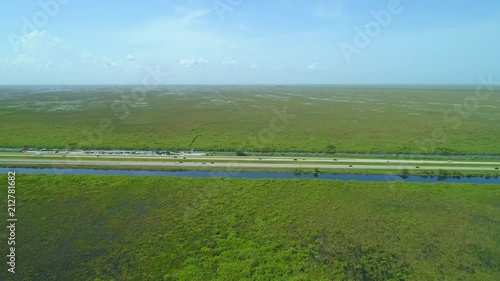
{"points": [[254, 118], [88, 227]]}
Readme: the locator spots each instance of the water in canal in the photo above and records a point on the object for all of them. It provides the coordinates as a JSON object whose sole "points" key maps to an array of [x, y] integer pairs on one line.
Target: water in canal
{"points": [[254, 175]]}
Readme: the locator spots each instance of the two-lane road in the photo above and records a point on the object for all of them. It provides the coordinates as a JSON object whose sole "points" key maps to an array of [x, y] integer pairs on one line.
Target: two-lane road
{"points": [[236, 165]]}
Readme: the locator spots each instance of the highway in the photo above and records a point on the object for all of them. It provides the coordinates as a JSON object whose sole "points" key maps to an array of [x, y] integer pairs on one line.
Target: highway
{"points": [[263, 159], [103, 163]]}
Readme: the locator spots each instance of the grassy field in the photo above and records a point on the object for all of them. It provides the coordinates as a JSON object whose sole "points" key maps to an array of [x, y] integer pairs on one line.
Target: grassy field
{"points": [[130, 228], [222, 171], [253, 118]]}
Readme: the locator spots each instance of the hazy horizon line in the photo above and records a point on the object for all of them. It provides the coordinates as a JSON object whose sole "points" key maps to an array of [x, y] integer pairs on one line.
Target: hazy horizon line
{"points": [[260, 84]]}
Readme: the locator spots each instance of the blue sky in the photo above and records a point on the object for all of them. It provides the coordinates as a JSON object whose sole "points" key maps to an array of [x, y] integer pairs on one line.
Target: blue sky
{"points": [[249, 41]]}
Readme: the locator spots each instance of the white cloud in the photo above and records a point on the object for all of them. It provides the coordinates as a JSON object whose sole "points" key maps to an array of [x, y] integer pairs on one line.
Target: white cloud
{"points": [[180, 9], [108, 63], [33, 38], [196, 14], [87, 57], [193, 62], [39, 49], [130, 57], [57, 42], [50, 64], [229, 62], [40, 40], [253, 66], [331, 9], [20, 61], [312, 66], [189, 14], [67, 64], [175, 34], [218, 44]]}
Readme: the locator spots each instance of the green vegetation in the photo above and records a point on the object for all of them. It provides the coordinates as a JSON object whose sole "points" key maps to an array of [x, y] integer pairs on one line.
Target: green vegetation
{"points": [[405, 173], [253, 118], [240, 153], [231, 169], [131, 228]]}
